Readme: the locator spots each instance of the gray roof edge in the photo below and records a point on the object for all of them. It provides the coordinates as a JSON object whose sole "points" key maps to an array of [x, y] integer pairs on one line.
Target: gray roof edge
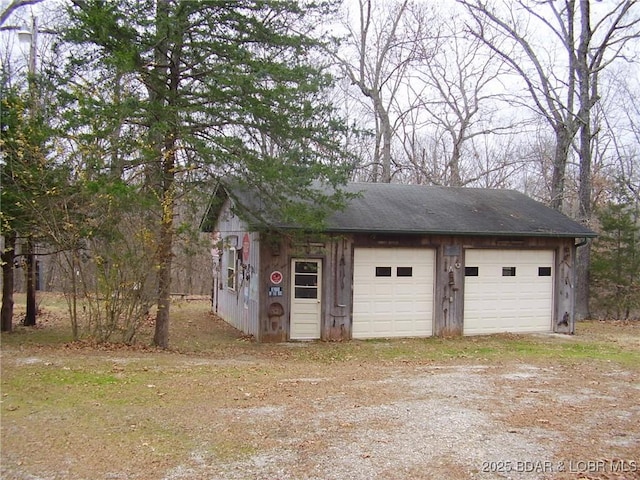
{"points": [[442, 233]]}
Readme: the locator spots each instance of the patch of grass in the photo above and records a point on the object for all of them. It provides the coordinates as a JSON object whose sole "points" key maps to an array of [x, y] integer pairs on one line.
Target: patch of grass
{"points": [[600, 351], [75, 377], [494, 348], [52, 324], [44, 333], [232, 449], [194, 330], [541, 348]]}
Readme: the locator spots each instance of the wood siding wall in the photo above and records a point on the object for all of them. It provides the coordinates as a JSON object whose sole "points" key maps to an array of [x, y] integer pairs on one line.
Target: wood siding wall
{"points": [[239, 307], [335, 252], [261, 308]]}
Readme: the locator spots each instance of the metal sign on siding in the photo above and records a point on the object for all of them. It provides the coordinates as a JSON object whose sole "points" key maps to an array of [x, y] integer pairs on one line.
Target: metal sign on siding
{"points": [[275, 291], [276, 277], [452, 250], [246, 244]]}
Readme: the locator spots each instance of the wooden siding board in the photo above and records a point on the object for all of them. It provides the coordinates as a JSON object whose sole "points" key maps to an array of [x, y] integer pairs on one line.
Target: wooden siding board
{"points": [[338, 297], [449, 296], [274, 311], [564, 293]]}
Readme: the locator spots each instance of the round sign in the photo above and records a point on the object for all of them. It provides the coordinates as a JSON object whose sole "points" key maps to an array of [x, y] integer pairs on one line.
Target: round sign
{"points": [[246, 244], [276, 277]]}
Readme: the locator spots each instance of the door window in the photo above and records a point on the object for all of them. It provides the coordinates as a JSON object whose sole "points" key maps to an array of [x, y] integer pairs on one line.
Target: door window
{"points": [[306, 279]]}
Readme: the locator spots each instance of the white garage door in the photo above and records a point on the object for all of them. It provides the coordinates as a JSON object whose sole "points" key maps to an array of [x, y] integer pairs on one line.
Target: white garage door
{"points": [[393, 292], [508, 291]]}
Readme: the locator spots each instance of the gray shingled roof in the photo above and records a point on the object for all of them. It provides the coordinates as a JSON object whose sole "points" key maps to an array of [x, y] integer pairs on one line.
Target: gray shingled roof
{"points": [[414, 209]]}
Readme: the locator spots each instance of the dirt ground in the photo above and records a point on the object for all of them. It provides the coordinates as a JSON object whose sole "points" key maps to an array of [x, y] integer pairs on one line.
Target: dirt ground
{"points": [[530, 407]]}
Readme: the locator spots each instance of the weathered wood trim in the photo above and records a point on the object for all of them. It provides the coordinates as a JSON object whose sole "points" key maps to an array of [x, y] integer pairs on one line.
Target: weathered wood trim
{"points": [[338, 298], [274, 311], [449, 286], [564, 292]]}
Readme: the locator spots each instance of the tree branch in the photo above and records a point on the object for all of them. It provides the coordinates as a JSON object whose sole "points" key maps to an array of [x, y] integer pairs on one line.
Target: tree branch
{"points": [[13, 6]]}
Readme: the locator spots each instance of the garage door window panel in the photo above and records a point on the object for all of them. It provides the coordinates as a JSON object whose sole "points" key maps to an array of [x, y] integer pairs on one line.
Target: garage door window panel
{"points": [[471, 271], [508, 271], [544, 271], [404, 271], [383, 271]]}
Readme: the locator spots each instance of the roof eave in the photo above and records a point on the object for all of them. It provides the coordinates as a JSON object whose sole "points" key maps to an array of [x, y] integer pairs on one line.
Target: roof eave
{"points": [[465, 233]]}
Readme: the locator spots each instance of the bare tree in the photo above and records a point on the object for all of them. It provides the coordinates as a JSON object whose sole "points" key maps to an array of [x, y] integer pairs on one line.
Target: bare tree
{"points": [[383, 53], [458, 91], [556, 105], [564, 91], [598, 47], [13, 6], [618, 138]]}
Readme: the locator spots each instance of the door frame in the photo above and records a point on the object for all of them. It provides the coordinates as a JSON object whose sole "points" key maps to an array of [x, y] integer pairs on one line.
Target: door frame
{"points": [[297, 302]]}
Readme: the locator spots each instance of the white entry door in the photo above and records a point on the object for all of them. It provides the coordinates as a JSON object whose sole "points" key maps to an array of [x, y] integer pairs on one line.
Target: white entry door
{"points": [[306, 296]]}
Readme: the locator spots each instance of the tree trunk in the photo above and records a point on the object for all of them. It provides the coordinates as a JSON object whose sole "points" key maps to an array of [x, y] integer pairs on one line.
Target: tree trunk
{"points": [[455, 180], [30, 317], [584, 190], [387, 134], [583, 260], [162, 90], [161, 335], [73, 309], [8, 256], [563, 145], [165, 243]]}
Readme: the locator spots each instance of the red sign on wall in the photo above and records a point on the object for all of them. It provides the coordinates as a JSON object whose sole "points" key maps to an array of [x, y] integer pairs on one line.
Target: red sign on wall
{"points": [[276, 277], [246, 244]]}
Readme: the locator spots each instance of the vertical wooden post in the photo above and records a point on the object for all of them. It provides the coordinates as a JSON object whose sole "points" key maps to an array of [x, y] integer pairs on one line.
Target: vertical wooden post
{"points": [[564, 317]]}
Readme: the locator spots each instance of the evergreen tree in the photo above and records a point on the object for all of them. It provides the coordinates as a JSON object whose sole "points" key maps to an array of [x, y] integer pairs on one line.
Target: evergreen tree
{"points": [[615, 266], [27, 179], [230, 89]]}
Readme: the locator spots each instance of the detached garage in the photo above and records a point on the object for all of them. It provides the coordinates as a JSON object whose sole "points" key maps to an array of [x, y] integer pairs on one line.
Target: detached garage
{"points": [[399, 261]]}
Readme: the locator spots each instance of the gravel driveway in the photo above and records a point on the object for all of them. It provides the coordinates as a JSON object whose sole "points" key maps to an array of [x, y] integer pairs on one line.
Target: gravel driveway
{"points": [[473, 421], [472, 408]]}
